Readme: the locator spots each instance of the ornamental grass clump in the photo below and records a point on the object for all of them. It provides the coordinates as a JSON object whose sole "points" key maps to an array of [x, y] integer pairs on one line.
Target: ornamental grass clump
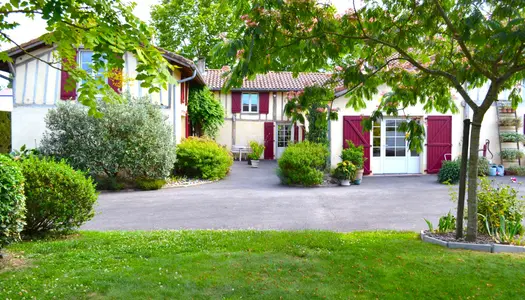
{"points": [[202, 158], [12, 201], [303, 164]]}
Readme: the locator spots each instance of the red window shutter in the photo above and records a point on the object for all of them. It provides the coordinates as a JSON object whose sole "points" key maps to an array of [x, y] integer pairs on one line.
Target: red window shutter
{"points": [[268, 140], [182, 92], [295, 133], [303, 133], [115, 82], [264, 103], [353, 131], [67, 94], [187, 125], [439, 142], [236, 102]]}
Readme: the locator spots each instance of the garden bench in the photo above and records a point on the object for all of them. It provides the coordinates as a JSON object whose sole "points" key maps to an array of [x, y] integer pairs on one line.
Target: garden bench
{"points": [[241, 150]]}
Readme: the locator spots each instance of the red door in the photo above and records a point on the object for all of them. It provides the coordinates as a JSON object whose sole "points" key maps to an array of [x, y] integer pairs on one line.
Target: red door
{"points": [[269, 140], [353, 131], [439, 141]]}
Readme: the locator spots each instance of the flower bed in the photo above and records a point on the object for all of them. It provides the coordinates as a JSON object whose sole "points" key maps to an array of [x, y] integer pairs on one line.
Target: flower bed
{"points": [[483, 243]]}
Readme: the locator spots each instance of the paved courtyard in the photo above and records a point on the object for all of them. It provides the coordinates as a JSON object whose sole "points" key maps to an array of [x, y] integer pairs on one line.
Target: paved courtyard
{"points": [[254, 199]]}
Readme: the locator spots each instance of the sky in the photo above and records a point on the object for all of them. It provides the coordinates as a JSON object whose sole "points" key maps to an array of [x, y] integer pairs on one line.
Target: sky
{"points": [[30, 29]]}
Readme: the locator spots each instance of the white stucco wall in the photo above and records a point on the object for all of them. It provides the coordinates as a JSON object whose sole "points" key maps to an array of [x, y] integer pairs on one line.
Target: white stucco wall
{"points": [[28, 126], [6, 103]]}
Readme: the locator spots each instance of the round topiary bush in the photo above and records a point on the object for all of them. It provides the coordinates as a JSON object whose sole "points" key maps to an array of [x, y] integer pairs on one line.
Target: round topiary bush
{"points": [[303, 164], [12, 201], [202, 158], [57, 197], [449, 172]]}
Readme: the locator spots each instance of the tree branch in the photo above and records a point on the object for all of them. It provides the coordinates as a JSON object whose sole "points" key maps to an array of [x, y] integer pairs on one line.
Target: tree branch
{"points": [[29, 53], [461, 43]]}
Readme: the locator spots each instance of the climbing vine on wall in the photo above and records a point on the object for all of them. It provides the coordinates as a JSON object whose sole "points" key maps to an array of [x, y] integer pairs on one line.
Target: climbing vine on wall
{"points": [[206, 112]]}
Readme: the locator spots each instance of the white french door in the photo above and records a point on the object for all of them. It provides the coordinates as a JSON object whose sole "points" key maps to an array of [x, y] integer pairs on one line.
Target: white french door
{"points": [[390, 152], [284, 136]]}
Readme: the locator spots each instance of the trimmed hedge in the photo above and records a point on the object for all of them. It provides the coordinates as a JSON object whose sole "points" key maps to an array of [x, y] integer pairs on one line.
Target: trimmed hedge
{"points": [[12, 201], [5, 132], [57, 197], [303, 164], [202, 158]]}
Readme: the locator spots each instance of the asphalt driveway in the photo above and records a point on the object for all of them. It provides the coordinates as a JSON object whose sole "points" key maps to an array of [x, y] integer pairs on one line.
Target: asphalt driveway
{"points": [[254, 199]]}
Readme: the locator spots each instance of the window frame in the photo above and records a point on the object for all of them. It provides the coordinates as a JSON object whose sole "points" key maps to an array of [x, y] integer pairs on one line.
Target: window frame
{"points": [[251, 96]]}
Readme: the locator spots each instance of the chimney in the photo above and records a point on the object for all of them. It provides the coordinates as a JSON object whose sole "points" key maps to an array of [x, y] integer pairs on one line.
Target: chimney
{"points": [[201, 65]]}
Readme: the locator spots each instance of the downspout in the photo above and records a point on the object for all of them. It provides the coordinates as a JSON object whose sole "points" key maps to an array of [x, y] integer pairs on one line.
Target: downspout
{"points": [[175, 103]]}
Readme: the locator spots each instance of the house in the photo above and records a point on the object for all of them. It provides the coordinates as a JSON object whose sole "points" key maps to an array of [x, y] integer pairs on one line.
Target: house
{"points": [[37, 87], [255, 111]]}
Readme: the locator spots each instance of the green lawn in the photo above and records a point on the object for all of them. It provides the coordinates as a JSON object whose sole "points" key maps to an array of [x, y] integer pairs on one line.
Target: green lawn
{"points": [[251, 264]]}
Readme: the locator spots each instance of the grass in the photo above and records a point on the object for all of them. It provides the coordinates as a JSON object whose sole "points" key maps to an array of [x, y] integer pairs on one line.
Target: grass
{"points": [[255, 264]]}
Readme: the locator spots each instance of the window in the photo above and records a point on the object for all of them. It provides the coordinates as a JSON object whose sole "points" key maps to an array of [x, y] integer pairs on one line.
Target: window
{"points": [[250, 103], [395, 139], [376, 142], [86, 63], [284, 135]]}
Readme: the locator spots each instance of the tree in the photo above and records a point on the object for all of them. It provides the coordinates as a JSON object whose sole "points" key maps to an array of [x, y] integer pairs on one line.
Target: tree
{"points": [[206, 113], [313, 105], [423, 50], [193, 27], [131, 140], [108, 27]]}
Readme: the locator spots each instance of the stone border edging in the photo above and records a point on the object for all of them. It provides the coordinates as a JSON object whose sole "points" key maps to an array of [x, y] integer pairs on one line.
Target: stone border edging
{"points": [[492, 248]]}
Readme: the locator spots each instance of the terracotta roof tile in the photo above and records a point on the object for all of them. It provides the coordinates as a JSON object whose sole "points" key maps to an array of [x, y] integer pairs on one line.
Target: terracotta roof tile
{"points": [[271, 81]]}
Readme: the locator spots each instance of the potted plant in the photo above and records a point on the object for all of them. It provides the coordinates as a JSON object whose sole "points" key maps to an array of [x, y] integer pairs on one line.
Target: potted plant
{"points": [[355, 155], [257, 151], [345, 171], [511, 154]]}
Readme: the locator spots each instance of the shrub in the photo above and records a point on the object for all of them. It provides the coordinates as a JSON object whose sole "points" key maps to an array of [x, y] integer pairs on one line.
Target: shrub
{"points": [[449, 172], [511, 154], [498, 201], [509, 137], [257, 150], [57, 197], [303, 164], [483, 166], [12, 201], [515, 170], [132, 139], [354, 154], [146, 184], [202, 158]]}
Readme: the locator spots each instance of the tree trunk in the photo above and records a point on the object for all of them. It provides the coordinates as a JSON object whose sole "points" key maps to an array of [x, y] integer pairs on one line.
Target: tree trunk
{"points": [[472, 225], [462, 180]]}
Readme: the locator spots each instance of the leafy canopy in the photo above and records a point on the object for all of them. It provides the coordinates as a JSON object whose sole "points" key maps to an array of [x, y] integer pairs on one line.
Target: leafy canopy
{"points": [[420, 49], [193, 27], [108, 27]]}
